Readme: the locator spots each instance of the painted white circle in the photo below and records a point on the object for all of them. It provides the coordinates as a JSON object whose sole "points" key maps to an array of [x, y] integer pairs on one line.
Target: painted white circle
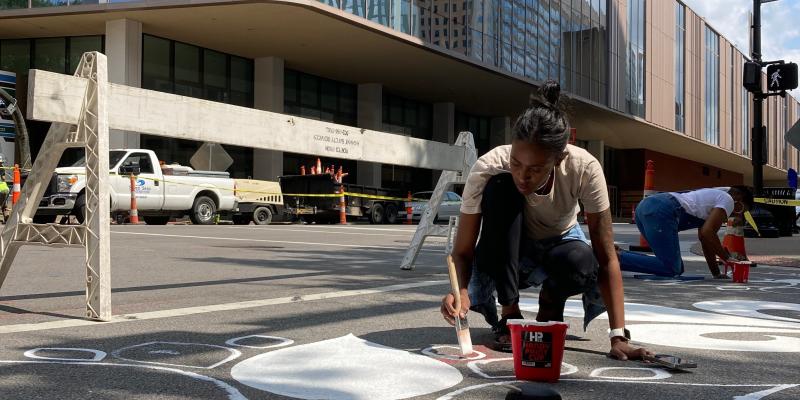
{"points": [[695, 337], [345, 368], [231, 392], [97, 354], [657, 374], [234, 354], [282, 342], [477, 355], [475, 367], [733, 288], [749, 308]]}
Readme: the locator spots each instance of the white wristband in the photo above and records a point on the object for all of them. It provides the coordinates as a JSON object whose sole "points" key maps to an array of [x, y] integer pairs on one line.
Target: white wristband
{"points": [[618, 332]]}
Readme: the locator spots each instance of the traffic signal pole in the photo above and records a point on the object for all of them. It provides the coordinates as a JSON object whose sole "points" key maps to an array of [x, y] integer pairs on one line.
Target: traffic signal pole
{"points": [[757, 132]]}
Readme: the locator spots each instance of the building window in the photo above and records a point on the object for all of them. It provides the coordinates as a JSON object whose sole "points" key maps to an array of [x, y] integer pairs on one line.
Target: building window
{"points": [[318, 98], [634, 70], [407, 117], [745, 121], [59, 54], [185, 69], [784, 126], [711, 86], [680, 66], [479, 126]]}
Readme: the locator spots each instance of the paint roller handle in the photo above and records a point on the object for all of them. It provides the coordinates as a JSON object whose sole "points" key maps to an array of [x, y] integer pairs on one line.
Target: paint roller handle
{"points": [[451, 271]]}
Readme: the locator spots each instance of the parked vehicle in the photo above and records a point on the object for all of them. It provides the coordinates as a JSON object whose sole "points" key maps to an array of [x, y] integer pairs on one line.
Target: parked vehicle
{"points": [[162, 192], [450, 206], [326, 209], [260, 202]]}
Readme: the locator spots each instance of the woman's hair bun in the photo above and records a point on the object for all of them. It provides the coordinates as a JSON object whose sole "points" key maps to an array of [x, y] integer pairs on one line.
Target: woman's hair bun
{"points": [[547, 96]]}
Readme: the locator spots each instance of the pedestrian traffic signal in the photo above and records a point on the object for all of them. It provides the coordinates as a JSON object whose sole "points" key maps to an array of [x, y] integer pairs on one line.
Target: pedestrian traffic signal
{"points": [[782, 77], [751, 77]]}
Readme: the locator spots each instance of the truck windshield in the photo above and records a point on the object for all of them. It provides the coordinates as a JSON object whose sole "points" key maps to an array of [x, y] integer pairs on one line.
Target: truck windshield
{"points": [[113, 159]]}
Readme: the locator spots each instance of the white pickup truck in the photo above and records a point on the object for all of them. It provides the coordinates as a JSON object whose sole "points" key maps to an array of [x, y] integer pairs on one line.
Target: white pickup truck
{"points": [[162, 192]]}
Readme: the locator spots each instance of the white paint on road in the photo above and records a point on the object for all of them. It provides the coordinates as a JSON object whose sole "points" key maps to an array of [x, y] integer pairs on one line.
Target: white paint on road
{"points": [[699, 337], [431, 352], [345, 368], [764, 393], [475, 366], [352, 246], [774, 388], [694, 329], [282, 342], [169, 348], [372, 232], [97, 355], [179, 312], [657, 373], [231, 392], [749, 308]]}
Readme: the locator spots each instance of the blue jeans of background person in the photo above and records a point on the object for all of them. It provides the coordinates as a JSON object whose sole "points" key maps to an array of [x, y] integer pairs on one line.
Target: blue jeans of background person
{"points": [[506, 261], [659, 219]]}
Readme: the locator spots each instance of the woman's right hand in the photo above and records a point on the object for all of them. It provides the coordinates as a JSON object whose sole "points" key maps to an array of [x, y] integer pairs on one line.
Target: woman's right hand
{"points": [[448, 306]]}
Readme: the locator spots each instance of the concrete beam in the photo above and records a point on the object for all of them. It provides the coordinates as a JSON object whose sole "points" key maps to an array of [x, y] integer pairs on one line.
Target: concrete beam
{"points": [[57, 98]]}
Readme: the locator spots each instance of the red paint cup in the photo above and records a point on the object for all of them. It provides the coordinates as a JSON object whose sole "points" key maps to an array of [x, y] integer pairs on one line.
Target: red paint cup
{"points": [[538, 349], [741, 271]]}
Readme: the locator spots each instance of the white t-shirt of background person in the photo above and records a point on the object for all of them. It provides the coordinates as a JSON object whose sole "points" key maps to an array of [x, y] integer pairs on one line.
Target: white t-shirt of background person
{"points": [[699, 203]]}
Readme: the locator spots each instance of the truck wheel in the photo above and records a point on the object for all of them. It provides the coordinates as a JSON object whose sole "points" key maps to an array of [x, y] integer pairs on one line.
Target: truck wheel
{"points": [[391, 213], [203, 211], [80, 208], [156, 220], [376, 214], [262, 216]]}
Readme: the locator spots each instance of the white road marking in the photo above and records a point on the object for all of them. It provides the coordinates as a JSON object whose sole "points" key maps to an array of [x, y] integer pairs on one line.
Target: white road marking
{"points": [[752, 396], [657, 373], [232, 392], [97, 355], [345, 368], [282, 341], [356, 246], [178, 312], [234, 354], [337, 231], [476, 355]]}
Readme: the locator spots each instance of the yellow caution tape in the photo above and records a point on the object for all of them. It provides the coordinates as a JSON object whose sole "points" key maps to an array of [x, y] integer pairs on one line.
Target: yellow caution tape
{"points": [[751, 221], [331, 195], [777, 202]]}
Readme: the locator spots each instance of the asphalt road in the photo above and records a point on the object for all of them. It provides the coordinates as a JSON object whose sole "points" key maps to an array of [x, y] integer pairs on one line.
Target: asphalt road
{"points": [[290, 311]]}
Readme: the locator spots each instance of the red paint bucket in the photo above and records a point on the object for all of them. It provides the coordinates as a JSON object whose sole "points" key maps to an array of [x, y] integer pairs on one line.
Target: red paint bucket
{"points": [[741, 271], [538, 349]]}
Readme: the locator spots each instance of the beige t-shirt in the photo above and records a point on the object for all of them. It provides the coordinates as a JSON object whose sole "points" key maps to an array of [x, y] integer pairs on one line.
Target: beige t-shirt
{"points": [[578, 177]]}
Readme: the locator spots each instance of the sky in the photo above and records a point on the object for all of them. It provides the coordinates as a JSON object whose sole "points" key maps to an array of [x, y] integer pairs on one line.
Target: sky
{"points": [[780, 26]]}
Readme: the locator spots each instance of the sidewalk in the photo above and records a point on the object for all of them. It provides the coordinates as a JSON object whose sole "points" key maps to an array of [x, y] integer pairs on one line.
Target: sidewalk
{"points": [[782, 252]]}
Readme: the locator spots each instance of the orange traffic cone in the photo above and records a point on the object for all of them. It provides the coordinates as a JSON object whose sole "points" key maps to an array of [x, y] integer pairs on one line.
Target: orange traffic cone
{"points": [[16, 188], [734, 239], [409, 211], [649, 190]]}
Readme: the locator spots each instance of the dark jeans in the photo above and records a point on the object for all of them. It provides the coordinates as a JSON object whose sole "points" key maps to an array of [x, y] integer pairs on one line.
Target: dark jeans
{"points": [[659, 218], [506, 261]]}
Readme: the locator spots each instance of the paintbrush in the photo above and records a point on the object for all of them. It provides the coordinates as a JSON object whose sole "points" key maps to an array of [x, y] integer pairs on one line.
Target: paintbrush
{"points": [[462, 326]]}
